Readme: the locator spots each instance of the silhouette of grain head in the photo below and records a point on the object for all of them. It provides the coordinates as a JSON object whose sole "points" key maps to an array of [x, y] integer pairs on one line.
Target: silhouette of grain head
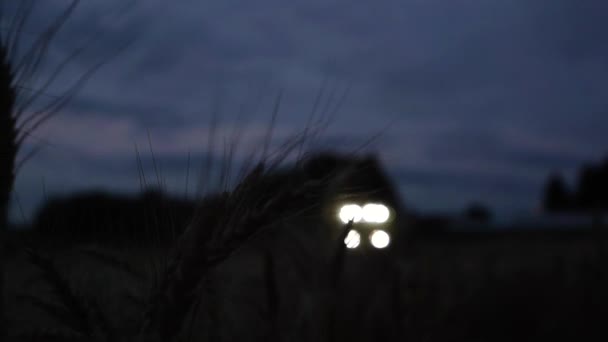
{"points": [[225, 222], [222, 224]]}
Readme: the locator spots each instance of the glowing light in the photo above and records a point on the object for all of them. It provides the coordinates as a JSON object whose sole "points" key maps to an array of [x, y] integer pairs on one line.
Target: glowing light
{"points": [[375, 213], [380, 239], [350, 212], [352, 240]]}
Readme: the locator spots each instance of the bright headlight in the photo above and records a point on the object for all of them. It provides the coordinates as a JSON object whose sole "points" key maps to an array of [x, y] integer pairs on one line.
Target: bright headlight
{"points": [[352, 240], [375, 213], [350, 212], [380, 239]]}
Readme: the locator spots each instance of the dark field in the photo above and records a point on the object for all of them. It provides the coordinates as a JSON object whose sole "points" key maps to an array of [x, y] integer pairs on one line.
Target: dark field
{"points": [[445, 287]]}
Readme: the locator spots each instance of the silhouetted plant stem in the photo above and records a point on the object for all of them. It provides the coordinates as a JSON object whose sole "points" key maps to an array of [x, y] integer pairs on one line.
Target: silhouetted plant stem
{"points": [[19, 67], [335, 275], [8, 151]]}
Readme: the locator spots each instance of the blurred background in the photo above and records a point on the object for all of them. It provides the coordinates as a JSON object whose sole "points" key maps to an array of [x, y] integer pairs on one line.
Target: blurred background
{"points": [[477, 101]]}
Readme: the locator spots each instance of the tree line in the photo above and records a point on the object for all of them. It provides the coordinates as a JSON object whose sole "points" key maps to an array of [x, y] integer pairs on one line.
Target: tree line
{"points": [[588, 195]]}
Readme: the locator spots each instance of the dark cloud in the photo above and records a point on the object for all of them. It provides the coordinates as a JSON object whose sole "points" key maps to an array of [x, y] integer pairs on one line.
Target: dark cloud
{"points": [[487, 148]]}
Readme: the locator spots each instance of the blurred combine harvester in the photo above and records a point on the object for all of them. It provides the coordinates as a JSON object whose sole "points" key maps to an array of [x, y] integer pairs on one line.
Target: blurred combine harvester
{"points": [[361, 191]]}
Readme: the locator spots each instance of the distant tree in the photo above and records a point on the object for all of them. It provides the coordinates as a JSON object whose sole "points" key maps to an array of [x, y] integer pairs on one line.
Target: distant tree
{"points": [[557, 197], [592, 191], [602, 185], [589, 196], [478, 212]]}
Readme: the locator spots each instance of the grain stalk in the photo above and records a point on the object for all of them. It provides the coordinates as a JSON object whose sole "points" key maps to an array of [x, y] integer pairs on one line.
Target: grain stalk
{"points": [[222, 225], [21, 88]]}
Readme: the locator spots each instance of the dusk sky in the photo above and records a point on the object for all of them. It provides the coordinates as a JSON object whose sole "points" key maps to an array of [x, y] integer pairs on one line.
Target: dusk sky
{"points": [[483, 98]]}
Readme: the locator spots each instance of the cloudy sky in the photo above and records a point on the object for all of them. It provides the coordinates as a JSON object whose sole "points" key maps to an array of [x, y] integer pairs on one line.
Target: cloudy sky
{"points": [[482, 98]]}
